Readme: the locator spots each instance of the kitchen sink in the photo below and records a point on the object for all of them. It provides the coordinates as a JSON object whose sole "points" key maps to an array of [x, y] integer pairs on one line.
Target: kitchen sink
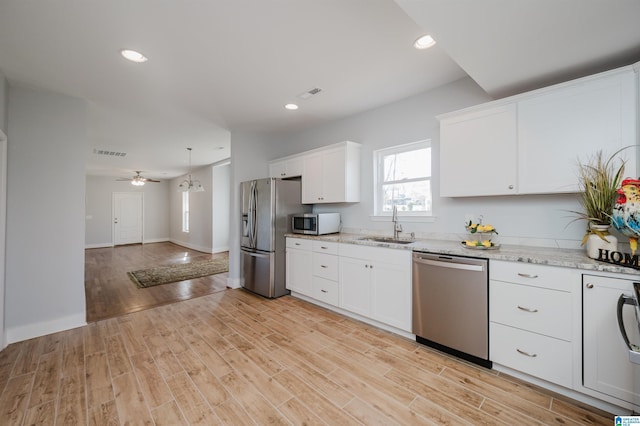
{"points": [[387, 240]]}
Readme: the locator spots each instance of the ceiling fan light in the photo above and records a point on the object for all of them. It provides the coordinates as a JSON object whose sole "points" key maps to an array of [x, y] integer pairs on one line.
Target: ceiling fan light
{"points": [[137, 182]]}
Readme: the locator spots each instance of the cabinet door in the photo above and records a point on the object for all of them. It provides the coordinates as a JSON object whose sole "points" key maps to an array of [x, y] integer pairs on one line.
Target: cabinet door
{"points": [[478, 153], [277, 170], [312, 180], [299, 267], [333, 173], [607, 368], [391, 286], [562, 126], [355, 285], [286, 168]]}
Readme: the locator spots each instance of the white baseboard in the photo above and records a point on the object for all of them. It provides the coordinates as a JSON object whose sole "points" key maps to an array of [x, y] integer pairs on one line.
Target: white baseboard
{"points": [[101, 245], [192, 246], [29, 331], [220, 249], [155, 240], [234, 282]]}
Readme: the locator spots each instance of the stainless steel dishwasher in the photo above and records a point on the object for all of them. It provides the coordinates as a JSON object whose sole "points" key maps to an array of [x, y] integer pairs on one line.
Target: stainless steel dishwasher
{"points": [[451, 305]]}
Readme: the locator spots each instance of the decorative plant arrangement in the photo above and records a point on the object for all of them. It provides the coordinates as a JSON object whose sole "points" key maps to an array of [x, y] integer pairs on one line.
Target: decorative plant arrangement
{"points": [[480, 236], [599, 179]]}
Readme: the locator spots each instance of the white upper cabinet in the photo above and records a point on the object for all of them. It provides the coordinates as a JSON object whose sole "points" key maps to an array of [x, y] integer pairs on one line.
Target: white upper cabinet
{"points": [[332, 174], [560, 127], [532, 143], [469, 164], [286, 167]]}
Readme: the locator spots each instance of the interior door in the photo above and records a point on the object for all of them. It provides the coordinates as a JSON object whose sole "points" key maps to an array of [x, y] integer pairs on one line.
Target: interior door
{"points": [[127, 218]]}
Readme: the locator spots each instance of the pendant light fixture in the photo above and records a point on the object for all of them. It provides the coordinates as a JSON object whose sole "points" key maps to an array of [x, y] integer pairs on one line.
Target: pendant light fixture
{"points": [[190, 185]]}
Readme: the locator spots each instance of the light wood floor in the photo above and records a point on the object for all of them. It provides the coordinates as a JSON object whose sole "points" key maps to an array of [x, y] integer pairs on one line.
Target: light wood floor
{"points": [[109, 292], [235, 358]]}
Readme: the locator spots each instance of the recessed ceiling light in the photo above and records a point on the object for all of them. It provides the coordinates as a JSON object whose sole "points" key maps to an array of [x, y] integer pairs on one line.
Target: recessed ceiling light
{"points": [[291, 106], [424, 42], [133, 56]]}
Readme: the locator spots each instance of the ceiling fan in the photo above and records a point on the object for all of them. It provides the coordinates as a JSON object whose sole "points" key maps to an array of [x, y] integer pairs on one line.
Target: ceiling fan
{"points": [[138, 179]]}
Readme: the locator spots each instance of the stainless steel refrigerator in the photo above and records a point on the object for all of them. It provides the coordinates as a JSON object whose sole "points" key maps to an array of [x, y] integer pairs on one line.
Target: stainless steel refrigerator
{"points": [[267, 206]]}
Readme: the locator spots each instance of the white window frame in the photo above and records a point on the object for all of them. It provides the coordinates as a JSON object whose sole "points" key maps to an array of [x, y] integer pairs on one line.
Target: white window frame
{"points": [[185, 212], [378, 180]]}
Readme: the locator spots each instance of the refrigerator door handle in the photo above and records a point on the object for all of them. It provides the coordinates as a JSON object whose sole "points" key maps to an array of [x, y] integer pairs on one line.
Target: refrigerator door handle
{"points": [[253, 207]]}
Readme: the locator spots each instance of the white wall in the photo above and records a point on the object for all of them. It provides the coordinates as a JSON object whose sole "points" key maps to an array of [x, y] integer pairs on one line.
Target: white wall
{"points": [[200, 211], [531, 220], [249, 153], [99, 205], [221, 184], [4, 96], [3, 198], [47, 143]]}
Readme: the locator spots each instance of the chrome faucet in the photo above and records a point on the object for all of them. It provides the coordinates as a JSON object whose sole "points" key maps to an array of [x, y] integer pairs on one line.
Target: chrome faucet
{"points": [[397, 228]]}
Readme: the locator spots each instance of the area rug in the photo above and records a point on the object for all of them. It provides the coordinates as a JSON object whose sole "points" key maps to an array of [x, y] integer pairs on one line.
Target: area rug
{"points": [[185, 271]]}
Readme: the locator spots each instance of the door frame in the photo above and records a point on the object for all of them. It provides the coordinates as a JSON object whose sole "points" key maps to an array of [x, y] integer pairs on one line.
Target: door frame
{"points": [[113, 214]]}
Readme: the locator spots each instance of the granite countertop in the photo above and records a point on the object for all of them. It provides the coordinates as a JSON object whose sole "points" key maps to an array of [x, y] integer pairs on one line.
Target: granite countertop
{"points": [[539, 255]]}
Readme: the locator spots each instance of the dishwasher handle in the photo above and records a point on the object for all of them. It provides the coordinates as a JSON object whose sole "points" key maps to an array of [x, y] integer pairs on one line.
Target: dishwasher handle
{"points": [[452, 265]]}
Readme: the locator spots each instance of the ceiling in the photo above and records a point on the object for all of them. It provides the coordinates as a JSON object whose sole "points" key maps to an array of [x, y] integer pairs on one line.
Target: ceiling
{"points": [[219, 66]]}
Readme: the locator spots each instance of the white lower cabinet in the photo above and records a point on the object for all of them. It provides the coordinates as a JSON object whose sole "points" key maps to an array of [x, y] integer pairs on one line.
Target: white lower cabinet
{"points": [[607, 368], [355, 292], [325, 272], [298, 266], [376, 283], [372, 282], [532, 314], [540, 356]]}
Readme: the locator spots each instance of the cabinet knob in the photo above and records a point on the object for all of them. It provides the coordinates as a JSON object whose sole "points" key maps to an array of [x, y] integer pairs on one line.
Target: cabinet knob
{"points": [[589, 285], [283, 174], [510, 186], [324, 291], [323, 266]]}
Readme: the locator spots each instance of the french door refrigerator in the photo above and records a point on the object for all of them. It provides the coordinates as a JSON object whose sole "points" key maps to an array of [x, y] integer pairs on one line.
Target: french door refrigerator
{"points": [[267, 206]]}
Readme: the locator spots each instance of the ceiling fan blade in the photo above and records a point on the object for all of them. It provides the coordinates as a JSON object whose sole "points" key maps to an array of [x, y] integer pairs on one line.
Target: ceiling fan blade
{"points": [[149, 180]]}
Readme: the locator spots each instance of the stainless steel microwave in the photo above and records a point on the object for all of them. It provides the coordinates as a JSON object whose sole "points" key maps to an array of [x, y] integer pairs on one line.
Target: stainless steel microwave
{"points": [[315, 223]]}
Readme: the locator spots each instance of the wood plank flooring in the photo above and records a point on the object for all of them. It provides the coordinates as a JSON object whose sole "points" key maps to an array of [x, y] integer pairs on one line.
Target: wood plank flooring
{"points": [[109, 292], [235, 358]]}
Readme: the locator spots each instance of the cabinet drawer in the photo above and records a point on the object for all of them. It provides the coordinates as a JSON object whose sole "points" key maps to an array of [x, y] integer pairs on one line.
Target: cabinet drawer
{"points": [[531, 353], [325, 247], [325, 266], [534, 309], [326, 291], [544, 276], [299, 243]]}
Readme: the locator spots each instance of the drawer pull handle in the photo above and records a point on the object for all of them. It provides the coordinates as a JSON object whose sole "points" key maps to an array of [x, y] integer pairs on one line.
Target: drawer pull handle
{"points": [[323, 266], [324, 291], [324, 248], [520, 274], [526, 353], [522, 308], [297, 244], [589, 285]]}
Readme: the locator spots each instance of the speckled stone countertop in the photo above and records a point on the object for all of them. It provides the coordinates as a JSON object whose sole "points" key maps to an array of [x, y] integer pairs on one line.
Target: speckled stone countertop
{"points": [[540, 255]]}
